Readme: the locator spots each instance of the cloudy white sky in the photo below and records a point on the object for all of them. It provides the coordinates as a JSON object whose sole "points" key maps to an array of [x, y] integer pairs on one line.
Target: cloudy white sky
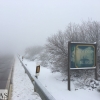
{"points": [[29, 22]]}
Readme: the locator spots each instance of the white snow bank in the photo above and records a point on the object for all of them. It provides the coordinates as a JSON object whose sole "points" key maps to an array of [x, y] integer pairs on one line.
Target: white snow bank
{"points": [[22, 86], [58, 88]]}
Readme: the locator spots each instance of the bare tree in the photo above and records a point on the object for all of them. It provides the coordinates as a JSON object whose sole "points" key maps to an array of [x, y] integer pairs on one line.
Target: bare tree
{"points": [[58, 49], [57, 44]]}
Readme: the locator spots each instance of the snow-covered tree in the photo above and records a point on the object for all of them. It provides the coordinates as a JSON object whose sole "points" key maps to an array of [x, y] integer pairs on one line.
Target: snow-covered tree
{"points": [[57, 44]]}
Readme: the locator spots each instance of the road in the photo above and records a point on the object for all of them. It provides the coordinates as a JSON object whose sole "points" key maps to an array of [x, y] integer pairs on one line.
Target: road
{"points": [[6, 64]]}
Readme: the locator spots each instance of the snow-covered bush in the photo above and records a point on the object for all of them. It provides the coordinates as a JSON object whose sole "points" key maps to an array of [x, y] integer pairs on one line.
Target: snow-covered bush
{"points": [[55, 54], [87, 83], [32, 53], [57, 45], [44, 57]]}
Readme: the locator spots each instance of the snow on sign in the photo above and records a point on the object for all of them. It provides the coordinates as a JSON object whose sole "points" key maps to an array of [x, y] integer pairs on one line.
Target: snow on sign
{"points": [[82, 55]]}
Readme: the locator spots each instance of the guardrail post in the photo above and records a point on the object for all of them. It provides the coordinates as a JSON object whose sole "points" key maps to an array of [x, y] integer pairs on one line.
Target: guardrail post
{"points": [[34, 88]]}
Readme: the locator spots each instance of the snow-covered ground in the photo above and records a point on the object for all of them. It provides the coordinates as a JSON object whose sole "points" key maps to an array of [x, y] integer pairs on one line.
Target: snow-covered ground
{"points": [[58, 88], [22, 86]]}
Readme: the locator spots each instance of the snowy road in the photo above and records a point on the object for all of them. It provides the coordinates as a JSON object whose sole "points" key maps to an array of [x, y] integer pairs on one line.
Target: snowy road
{"points": [[22, 86], [6, 64]]}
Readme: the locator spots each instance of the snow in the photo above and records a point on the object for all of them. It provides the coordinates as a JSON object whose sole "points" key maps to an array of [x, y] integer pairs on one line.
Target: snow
{"points": [[84, 68], [58, 88], [22, 86], [84, 42]]}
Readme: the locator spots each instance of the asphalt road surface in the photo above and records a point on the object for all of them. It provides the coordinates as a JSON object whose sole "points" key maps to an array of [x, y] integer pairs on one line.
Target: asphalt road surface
{"points": [[6, 63]]}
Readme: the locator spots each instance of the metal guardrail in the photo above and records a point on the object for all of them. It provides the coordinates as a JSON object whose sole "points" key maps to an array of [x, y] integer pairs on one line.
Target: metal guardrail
{"points": [[42, 91], [9, 84]]}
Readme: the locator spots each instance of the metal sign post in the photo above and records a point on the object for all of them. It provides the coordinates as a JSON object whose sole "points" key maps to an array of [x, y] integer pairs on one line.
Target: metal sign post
{"points": [[96, 76], [69, 65]]}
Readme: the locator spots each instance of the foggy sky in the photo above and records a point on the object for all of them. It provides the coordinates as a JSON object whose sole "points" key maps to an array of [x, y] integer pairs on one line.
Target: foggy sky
{"points": [[29, 22]]}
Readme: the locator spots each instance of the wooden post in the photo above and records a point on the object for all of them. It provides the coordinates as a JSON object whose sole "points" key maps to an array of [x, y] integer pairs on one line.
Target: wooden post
{"points": [[69, 65]]}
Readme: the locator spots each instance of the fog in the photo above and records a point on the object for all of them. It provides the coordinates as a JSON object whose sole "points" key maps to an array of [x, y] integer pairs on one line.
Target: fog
{"points": [[25, 23]]}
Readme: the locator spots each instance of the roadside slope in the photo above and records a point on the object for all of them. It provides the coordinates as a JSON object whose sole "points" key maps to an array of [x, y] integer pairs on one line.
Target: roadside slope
{"points": [[22, 86]]}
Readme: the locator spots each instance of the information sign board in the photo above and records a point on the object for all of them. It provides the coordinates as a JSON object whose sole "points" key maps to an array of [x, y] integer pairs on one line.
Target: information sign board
{"points": [[82, 55]]}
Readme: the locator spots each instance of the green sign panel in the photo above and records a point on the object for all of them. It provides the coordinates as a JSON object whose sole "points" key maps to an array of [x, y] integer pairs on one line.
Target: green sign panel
{"points": [[82, 55]]}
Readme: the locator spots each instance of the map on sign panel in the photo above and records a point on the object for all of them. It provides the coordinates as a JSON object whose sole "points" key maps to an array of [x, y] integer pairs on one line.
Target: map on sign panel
{"points": [[82, 56]]}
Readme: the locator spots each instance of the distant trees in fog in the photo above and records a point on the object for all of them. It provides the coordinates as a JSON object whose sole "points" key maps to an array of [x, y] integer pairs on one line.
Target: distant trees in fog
{"points": [[31, 52], [56, 49]]}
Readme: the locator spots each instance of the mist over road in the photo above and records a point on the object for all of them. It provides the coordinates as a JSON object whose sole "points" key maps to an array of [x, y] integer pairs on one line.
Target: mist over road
{"points": [[6, 64]]}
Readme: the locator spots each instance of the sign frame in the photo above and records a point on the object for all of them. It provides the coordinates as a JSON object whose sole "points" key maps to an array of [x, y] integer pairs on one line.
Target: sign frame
{"points": [[69, 59]]}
